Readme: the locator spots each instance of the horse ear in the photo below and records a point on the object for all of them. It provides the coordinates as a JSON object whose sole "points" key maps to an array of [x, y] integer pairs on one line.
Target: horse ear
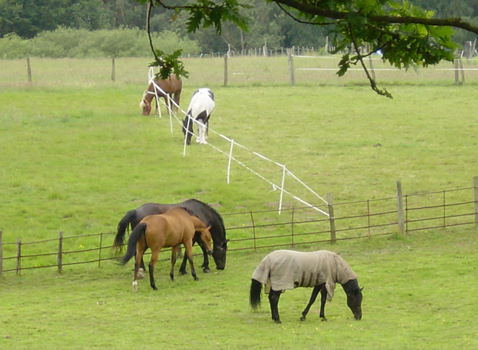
{"points": [[208, 228]]}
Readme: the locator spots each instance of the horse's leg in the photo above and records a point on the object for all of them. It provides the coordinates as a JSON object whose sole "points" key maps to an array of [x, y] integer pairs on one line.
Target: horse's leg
{"points": [[323, 299], [274, 303], [188, 129], [141, 269], [313, 296], [154, 259], [182, 268], [137, 264], [168, 103], [205, 264], [188, 247], [173, 261], [177, 97], [201, 133]]}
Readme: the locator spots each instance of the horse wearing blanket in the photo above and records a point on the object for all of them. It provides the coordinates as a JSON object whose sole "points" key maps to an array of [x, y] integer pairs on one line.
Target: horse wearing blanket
{"points": [[199, 111], [285, 269]]}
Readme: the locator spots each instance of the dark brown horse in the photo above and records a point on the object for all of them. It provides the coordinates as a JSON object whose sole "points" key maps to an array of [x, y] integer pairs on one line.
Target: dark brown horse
{"points": [[171, 86], [175, 227], [206, 213]]}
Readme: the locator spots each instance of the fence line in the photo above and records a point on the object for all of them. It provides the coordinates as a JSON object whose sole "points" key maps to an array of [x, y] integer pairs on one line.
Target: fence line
{"points": [[302, 65], [296, 226], [170, 102]]}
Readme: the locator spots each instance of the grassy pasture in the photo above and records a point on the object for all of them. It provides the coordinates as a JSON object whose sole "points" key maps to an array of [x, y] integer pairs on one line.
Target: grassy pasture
{"points": [[77, 154], [419, 294]]}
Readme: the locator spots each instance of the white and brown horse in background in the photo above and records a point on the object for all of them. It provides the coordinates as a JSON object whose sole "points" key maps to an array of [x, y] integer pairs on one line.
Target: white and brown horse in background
{"points": [[171, 86], [199, 112]]}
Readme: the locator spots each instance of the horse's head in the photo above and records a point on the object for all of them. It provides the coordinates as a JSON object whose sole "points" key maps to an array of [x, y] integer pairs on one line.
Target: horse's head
{"points": [[354, 299], [145, 107], [219, 255], [206, 238]]}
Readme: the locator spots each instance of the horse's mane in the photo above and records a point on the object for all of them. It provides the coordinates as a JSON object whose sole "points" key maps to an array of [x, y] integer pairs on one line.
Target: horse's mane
{"points": [[190, 212], [214, 212], [352, 285]]}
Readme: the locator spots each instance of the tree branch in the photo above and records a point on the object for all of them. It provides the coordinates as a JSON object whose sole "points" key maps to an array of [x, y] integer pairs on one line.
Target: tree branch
{"points": [[317, 11]]}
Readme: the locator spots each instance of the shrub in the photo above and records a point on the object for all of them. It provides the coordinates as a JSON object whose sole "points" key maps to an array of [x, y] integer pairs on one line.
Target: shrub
{"points": [[12, 46], [72, 43]]}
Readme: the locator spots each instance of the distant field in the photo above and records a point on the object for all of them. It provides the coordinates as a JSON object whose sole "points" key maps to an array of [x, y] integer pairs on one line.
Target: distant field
{"points": [[248, 71], [77, 154]]}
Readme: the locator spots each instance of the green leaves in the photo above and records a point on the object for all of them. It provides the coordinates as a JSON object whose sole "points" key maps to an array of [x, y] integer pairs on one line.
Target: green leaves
{"points": [[169, 64], [406, 34], [205, 14], [202, 13]]}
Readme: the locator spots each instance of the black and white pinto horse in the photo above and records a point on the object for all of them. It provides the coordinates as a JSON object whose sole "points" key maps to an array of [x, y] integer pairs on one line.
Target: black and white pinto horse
{"points": [[286, 269], [199, 111]]}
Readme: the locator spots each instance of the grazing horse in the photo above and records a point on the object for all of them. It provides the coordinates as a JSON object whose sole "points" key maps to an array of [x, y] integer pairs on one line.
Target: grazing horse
{"points": [[199, 111], [204, 212], [287, 269], [171, 229], [170, 86]]}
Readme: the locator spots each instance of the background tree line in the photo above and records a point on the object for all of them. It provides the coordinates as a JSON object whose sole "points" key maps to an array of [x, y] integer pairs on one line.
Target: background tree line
{"points": [[84, 28]]}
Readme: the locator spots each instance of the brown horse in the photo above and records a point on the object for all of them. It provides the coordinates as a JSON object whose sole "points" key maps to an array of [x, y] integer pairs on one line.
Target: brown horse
{"points": [[175, 227], [171, 86]]}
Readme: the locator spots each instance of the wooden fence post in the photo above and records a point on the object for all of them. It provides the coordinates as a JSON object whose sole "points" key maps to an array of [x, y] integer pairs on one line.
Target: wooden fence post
{"points": [[225, 69], [475, 198], [459, 71], [333, 237], [113, 69], [29, 70], [59, 259], [462, 71], [401, 222], [253, 231], [18, 268], [292, 227], [291, 67], [1, 254], [101, 246]]}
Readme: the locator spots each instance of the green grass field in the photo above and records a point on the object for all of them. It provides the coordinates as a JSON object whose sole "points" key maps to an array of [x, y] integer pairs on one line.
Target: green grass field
{"points": [[77, 154], [418, 294]]}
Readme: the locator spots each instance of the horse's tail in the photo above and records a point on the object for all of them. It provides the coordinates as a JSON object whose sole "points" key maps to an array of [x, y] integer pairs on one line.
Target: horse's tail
{"points": [[121, 230], [255, 294], [133, 239]]}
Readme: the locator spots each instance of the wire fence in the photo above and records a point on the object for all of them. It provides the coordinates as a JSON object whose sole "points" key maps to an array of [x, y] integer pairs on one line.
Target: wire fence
{"points": [[294, 227]]}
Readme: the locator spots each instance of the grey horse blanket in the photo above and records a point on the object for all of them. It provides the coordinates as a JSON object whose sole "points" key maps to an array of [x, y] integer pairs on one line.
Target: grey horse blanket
{"points": [[287, 269]]}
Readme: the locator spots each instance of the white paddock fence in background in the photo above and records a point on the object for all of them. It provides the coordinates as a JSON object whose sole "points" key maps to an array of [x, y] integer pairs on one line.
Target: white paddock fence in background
{"points": [[373, 66], [231, 157]]}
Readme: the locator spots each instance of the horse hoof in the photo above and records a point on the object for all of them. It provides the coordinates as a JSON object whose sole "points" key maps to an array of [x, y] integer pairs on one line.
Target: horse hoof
{"points": [[206, 270], [277, 321], [323, 319], [182, 272], [302, 318]]}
